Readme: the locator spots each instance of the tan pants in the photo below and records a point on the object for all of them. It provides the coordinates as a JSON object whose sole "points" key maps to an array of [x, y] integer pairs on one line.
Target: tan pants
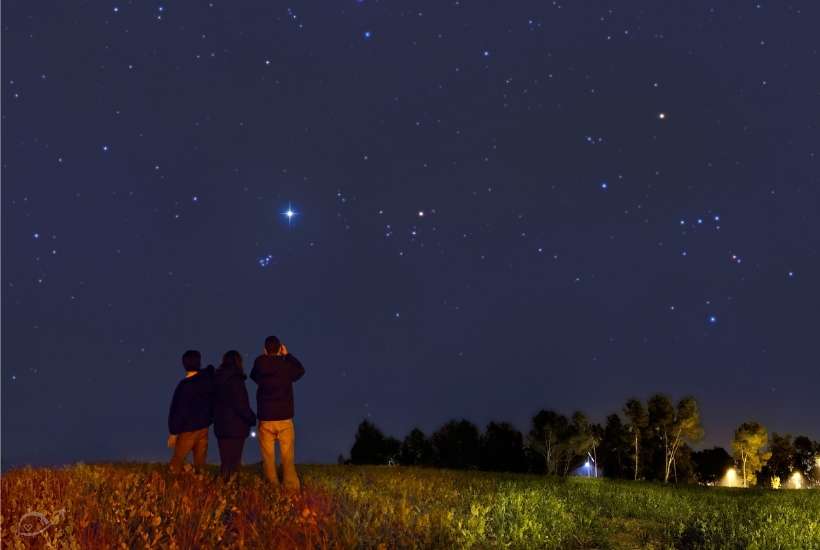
{"points": [[282, 430], [196, 441]]}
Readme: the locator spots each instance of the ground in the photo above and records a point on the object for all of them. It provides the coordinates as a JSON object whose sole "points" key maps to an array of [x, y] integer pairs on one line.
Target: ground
{"points": [[142, 505]]}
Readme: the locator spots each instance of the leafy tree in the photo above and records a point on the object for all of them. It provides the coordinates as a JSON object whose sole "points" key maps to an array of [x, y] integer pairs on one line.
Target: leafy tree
{"points": [[749, 444], [781, 458], [673, 427], [549, 429], [457, 445], [806, 453], [416, 449], [638, 422], [502, 448], [615, 448], [371, 446], [711, 464]]}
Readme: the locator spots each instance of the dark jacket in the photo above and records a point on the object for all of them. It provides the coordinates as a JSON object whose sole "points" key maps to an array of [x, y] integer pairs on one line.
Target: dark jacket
{"points": [[233, 416], [192, 404], [275, 375]]}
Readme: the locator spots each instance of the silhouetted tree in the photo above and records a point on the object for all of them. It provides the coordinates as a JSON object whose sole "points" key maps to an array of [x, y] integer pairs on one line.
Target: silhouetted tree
{"points": [[684, 470], [781, 459], [615, 448], [749, 446], [638, 422], [416, 449], [371, 446], [457, 445], [711, 464], [806, 453], [549, 430], [672, 427], [502, 448]]}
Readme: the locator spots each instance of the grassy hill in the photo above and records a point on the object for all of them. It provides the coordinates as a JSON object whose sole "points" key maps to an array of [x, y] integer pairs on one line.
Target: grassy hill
{"points": [[141, 505]]}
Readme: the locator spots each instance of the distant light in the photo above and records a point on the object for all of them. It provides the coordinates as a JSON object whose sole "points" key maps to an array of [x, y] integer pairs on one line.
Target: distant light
{"points": [[486, 53], [421, 213], [791, 274], [195, 198], [662, 116], [116, 9], [717, 218], [586, 464], [368, 35], [36, 235], [253, 433], [712, 319], [604, 185], [105, 148]]}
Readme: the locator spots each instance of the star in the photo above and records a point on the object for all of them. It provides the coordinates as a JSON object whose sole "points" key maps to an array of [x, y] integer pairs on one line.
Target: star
{"points": [[712, 319], [290, 213], [367, 35], [662, 116]]}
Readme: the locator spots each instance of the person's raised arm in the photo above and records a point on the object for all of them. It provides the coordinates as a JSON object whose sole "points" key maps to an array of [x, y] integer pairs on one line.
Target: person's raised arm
{"points": [[295, 367]]}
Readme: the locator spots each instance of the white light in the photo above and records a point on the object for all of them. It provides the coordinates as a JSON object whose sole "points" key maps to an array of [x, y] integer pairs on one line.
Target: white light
{"points": [[586, 464], [253, 433], [662, 116]]}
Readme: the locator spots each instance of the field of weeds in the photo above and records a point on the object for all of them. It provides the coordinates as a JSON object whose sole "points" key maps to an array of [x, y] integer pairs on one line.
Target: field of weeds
{"points": [[143, 506]]}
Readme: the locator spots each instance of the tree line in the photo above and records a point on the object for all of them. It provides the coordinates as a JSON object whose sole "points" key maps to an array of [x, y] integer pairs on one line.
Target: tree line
{"points": [[649, 440]]}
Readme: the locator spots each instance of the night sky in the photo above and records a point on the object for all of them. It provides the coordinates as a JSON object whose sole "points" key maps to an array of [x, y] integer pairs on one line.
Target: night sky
{"points": [[497, 207]]}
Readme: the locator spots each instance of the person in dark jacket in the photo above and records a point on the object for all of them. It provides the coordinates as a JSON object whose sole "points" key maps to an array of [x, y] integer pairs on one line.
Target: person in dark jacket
{"points": [[274, 373], [233, 416], [191, 412]]}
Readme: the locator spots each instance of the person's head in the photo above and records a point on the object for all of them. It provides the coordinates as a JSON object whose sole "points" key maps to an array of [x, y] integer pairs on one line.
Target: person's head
{"points": [[272, 345], [191, 360], [232, 360]]}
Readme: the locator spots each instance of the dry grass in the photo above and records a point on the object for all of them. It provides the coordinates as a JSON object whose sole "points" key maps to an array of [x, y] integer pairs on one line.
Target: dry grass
{"points": [[143, 506]]}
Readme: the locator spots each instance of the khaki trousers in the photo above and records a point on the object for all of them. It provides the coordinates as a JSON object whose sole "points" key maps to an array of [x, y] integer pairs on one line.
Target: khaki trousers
{"points": [[282, 430], [196, 441]]}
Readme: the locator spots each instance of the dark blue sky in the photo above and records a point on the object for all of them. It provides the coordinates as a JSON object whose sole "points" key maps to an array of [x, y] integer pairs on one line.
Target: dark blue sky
{"points": [[501, 207]]}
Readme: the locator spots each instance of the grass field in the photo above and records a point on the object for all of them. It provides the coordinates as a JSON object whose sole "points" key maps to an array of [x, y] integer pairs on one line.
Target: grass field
{"points": [[141, 506]]}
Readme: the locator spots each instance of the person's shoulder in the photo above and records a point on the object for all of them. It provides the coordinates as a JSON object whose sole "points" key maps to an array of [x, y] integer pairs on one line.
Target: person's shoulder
{"points": [[259, 360]]}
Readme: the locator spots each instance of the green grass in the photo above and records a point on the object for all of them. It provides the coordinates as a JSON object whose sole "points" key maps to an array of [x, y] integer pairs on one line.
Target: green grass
{"points": [[392, 507]]}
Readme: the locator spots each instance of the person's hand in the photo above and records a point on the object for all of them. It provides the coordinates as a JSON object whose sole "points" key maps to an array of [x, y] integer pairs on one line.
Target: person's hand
{"points": [[282, 350], [172, 441]]}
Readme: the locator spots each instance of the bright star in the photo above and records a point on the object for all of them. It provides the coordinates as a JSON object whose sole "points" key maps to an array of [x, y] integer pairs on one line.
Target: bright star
{"points": [[662, 116], [712, 319], [290, 213], [368, 35]]}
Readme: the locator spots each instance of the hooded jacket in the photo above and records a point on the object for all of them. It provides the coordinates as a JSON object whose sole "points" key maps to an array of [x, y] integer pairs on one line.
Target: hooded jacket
{"points": [[275, 375], [233, 416], [192, 404]]}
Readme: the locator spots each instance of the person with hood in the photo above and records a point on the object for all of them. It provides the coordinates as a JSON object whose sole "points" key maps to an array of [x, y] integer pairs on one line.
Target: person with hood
{"points": [[274, 373], [191, 412], [233, 416]]}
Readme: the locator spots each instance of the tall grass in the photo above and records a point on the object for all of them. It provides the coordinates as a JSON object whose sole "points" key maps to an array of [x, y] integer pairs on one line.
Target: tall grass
{"points": [[143, 506]]}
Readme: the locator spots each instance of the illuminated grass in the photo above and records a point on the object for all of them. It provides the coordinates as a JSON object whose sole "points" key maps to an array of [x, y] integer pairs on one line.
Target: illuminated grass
{"points": [[382, 507]]}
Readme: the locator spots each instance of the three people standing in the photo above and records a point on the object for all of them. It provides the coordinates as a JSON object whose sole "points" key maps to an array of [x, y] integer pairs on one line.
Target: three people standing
{"points": [[220, 397]]}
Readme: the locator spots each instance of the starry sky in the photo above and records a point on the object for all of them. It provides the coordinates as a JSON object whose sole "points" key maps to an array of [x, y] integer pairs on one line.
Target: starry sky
{"points": [[495, 208]]}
